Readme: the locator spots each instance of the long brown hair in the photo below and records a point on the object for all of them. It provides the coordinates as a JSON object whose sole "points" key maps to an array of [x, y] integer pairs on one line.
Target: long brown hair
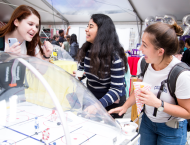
{"points": [[20, 13], [165, 36]]}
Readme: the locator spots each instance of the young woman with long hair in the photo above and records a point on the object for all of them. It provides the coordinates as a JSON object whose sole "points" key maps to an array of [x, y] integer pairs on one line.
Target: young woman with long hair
{"points": [[104, 62], [186, 54], [25, 24], [169, 126], [74, 46]]}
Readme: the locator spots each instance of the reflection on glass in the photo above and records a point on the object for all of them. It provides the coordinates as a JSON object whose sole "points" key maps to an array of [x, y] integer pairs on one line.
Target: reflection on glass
{"points": [[37, 118]]}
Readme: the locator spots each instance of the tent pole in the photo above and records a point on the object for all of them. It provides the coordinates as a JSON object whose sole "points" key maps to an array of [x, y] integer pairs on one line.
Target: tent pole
{"points": [[58, 13], [134, 10], [14, 7]]}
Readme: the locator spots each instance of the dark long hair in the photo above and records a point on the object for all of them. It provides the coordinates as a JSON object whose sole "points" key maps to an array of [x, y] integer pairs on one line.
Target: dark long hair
{"points": [[187, 41], [73, 38], [105, 47], [20, 13], [181, 44]]}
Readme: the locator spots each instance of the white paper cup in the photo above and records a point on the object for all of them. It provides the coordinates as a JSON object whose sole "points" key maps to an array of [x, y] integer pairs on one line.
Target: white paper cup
{"points": [[126, 125], [129, 127], [79, 73]]}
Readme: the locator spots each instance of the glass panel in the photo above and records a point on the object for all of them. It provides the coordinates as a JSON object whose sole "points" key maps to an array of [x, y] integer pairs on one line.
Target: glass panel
{"points": [[28, 114]]}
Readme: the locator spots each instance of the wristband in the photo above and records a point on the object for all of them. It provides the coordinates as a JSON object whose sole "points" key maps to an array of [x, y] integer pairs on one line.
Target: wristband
{"points": [[46, 57]]}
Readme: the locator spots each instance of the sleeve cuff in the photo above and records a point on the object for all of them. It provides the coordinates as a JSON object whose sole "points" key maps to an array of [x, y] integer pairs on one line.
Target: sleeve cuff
{"points": [[104, 103]]}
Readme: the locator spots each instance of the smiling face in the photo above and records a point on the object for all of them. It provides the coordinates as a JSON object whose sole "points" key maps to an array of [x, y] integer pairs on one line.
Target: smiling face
{"points": [[91, 31], [27, 28], [148, 49]]}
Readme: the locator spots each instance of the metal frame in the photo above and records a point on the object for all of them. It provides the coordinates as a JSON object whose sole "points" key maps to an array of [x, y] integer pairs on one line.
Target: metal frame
{"points": [[6, 1], [58, 13], [135, 11], [43, 9]]}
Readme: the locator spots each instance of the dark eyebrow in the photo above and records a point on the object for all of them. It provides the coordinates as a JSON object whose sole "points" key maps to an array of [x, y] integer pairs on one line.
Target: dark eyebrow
{"points": [[145, 43], [33, 23], [91, 24]]}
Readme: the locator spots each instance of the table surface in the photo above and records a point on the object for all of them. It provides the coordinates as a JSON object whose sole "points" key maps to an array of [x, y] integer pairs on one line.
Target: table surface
{"points": [[82, 131], [69, 66]]}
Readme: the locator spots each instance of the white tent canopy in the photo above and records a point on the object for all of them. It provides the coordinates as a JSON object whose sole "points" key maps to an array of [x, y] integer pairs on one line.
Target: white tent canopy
{"points": [[124, 13], [80, 10], [72, 10]]}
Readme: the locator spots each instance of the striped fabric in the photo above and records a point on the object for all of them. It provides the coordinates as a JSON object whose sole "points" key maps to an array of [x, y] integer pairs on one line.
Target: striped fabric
{"points": [[113, 85]]}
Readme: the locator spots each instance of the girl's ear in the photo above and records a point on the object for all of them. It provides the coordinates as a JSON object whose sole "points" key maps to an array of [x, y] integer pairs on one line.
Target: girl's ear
{"points": [[161, 52], [16, 22]]}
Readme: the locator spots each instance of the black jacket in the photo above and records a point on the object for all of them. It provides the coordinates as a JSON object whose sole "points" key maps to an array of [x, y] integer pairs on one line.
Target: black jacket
{"points": [[186, 57], [55, 43], [73, 50], [61, 39]]}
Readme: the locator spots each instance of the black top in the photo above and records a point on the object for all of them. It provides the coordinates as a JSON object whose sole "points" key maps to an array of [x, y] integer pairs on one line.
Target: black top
{"points": [[74, 49], [186, 57], [181, 51], [2, 43], [61, 39], [55, 42]]}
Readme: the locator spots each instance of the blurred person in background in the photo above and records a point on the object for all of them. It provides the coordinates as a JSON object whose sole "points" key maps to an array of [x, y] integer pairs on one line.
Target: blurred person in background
{"points": [[66, 44], [180, 52], [181, 46], [55, 40], [49, 39], [62, 36], [74, 46], [186, 54]]}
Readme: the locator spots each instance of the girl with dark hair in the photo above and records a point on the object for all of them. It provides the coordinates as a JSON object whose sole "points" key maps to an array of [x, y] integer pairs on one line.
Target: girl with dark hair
{"points": [[74, 46], [104, 62], [181, 46], [24, 25], [55, 40], [186, 55], [180, 52], [187, 43], [169, 126]]}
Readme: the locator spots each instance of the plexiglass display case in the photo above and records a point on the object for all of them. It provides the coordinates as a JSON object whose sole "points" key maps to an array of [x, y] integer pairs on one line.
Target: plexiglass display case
{"points": [[41, 103]]}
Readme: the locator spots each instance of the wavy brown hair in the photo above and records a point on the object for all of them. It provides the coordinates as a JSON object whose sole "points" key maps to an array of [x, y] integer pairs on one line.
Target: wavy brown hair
{"points": [[20, 13], [105, 48]]}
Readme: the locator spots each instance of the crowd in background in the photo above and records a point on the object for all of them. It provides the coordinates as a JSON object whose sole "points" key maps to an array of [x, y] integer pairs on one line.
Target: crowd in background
{"points": [[70, 44], [186, 52], [67, 42], [183, 53]]}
